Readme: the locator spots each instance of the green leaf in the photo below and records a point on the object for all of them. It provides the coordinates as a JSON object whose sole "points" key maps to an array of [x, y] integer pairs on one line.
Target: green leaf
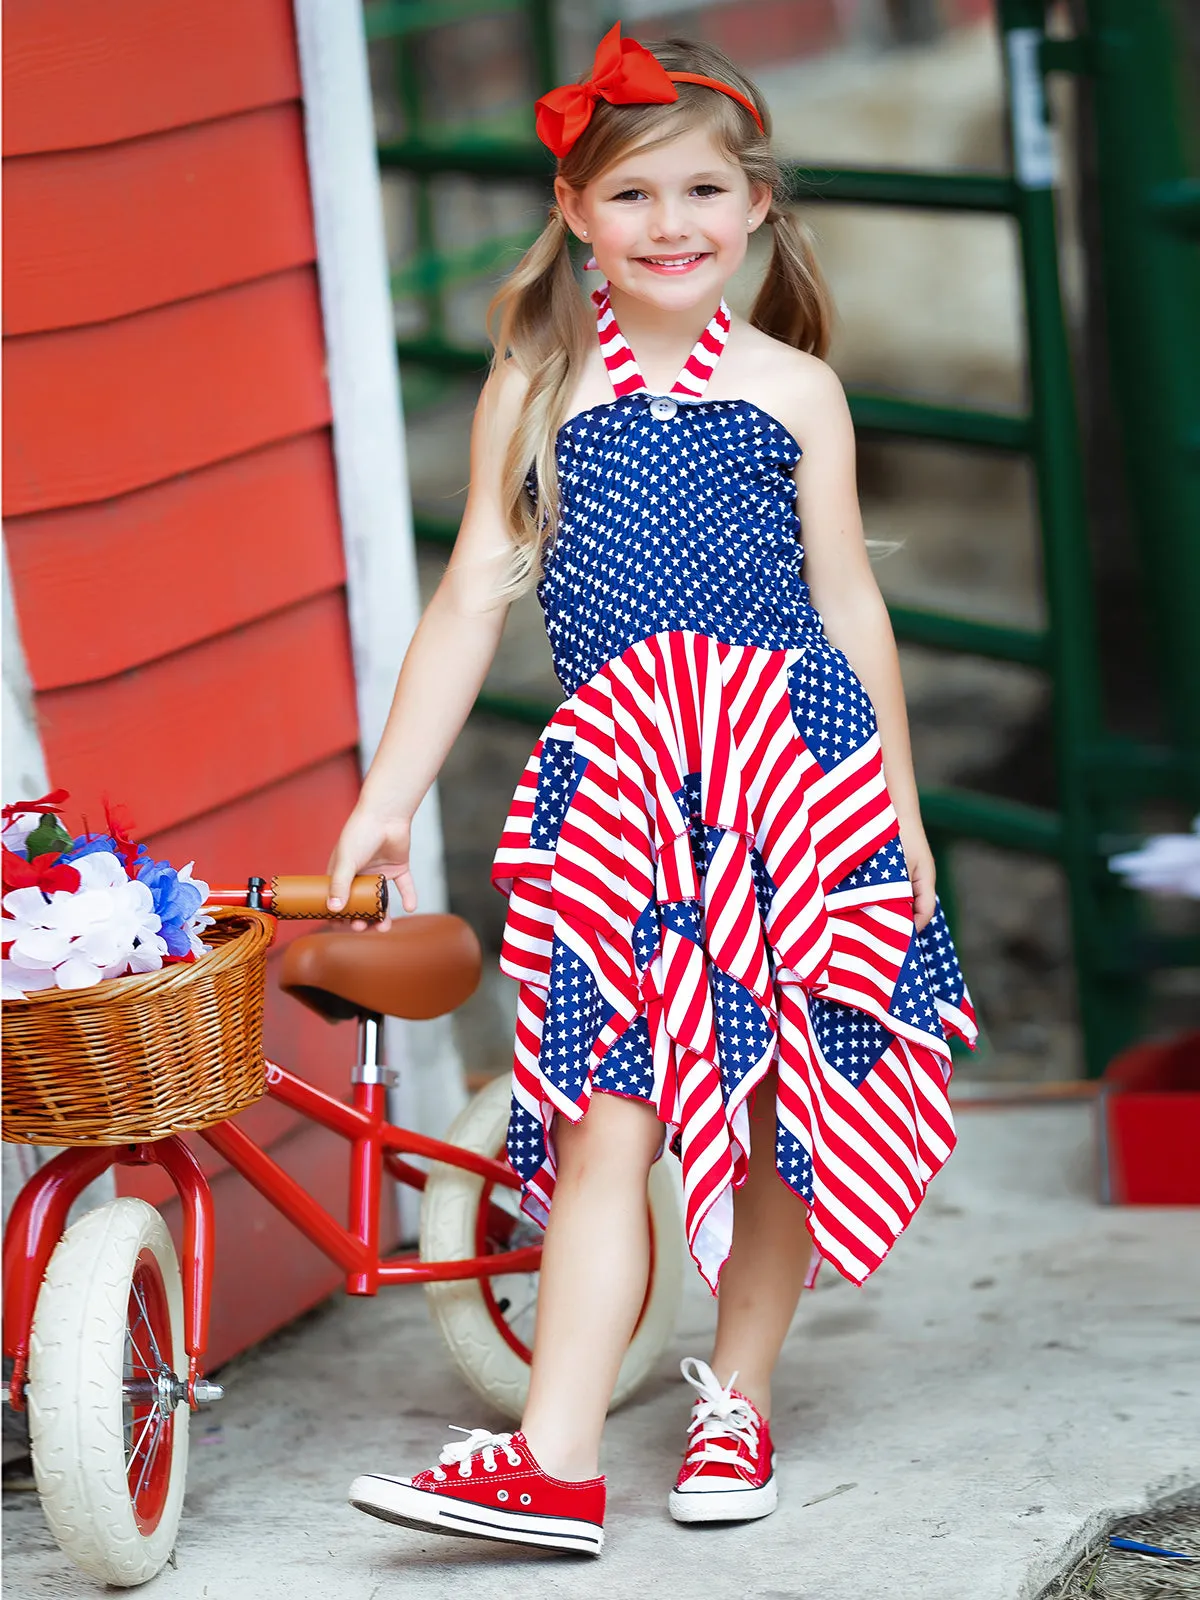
{"points": [[47, 838]]}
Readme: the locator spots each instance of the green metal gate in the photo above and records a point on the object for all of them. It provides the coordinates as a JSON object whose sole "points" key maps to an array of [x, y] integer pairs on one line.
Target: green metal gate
{"points": [[1099, 779]]}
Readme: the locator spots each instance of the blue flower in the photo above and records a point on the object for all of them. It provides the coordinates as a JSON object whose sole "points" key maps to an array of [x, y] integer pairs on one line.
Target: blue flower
{"points": [[90, 844], [176, 902]]}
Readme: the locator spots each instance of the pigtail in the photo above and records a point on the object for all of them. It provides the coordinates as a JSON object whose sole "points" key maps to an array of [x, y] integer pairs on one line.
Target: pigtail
{"points": [[794, 303], [543, 328]]}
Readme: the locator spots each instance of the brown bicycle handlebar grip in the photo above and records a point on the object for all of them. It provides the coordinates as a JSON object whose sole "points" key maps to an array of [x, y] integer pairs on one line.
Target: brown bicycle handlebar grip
{"points": [[303, 896]]}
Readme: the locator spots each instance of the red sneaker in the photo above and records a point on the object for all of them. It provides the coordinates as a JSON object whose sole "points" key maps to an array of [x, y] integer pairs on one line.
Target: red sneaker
{"points": [[494, 1490], [728, 1472]]}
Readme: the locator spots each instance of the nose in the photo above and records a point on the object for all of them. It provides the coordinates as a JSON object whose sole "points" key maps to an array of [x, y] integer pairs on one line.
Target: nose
{"points": [[668, 221]]}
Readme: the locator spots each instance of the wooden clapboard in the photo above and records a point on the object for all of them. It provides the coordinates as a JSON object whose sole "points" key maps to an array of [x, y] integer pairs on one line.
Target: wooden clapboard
{"points": [[170, 496]]}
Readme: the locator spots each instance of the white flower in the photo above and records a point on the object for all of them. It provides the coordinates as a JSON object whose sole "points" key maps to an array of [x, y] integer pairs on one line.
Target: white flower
{"points": [[17, 829], [16, 982], [196, 925], [106, 928], [100, 870]]}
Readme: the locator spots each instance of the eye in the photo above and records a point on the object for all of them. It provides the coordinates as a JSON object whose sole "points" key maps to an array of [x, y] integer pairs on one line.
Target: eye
{"points": [[707, 189], [628, 194]]}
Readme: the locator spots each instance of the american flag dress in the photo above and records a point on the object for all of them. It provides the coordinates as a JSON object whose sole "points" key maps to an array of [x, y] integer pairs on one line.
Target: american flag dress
{"points": [[704, 872]]}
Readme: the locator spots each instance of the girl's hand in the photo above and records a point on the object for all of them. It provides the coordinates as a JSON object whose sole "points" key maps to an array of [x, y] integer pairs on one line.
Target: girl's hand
{"points": [[372, 842], [922, 873]]}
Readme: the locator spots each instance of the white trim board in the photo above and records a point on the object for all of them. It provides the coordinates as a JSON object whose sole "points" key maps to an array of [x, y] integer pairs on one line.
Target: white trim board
{"points": [[372, 472]]}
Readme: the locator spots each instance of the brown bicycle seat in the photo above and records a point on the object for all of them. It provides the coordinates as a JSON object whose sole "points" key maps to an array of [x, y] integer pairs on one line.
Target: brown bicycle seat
{"points": [[422, 967]]}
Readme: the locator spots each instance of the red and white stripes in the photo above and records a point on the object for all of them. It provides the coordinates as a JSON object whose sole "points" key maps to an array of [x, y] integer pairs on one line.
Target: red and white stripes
{"points": [[623, 370], [679, 704], [874, 1146]]}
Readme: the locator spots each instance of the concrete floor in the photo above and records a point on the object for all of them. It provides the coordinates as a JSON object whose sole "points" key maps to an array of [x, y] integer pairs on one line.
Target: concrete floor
{"points": [[1023, 1366]]}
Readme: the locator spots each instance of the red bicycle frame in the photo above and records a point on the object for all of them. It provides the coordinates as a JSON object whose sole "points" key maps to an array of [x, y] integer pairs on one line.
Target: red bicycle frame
{"points": [[39, 1214]]}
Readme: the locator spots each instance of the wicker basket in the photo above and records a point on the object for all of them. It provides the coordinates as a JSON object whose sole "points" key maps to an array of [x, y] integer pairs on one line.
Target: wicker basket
{"points": [[141, 1057]]}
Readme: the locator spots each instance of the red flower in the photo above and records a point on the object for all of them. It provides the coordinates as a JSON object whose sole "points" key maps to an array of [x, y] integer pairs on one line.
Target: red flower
{"points": [[52, 802], [120, 827], [47, 873]]}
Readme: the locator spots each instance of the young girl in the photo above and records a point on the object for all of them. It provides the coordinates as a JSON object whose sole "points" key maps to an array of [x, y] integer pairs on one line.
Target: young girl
{"points": [[721, 900]]}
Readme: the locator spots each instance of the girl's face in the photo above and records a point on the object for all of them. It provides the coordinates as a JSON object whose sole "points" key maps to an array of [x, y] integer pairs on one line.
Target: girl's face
{"points": [[668, 225]]}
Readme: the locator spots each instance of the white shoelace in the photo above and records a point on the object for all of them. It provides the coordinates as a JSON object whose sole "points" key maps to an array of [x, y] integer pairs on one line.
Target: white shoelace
{"points": [[718, 1416], [478, 1442]]}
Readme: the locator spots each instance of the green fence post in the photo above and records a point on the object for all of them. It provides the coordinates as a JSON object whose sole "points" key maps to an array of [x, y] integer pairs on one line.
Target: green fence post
{"points": [[545, 51], [1108, 997], [408, 84], [1149, 204]]}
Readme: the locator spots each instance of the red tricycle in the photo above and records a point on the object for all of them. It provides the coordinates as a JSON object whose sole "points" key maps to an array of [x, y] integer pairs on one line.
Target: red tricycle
{"points": [[107, 1336]]}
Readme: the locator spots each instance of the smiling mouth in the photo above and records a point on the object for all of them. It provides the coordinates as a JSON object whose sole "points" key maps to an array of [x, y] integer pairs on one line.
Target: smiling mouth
{"points": [[674, 261]]}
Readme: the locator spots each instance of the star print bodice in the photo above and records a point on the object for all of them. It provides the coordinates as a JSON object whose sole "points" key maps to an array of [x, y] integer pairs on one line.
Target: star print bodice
{"points": [[675, 512], [705, 878]]}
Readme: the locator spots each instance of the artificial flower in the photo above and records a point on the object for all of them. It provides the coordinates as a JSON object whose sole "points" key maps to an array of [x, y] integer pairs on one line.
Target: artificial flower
{"points": [[24, 817], [17, 829], [92, 844], [48, 872], [195, 924], [176, 899], [86, 909], [16, 982], [107, 927]]}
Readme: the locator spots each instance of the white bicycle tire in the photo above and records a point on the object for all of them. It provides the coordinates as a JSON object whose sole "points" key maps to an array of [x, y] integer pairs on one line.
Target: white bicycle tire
{"points": [[491, 1367], [77, 1355]]}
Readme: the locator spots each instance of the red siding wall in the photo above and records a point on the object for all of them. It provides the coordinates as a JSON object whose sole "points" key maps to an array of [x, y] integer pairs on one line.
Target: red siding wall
{"points": [[169, 491]]}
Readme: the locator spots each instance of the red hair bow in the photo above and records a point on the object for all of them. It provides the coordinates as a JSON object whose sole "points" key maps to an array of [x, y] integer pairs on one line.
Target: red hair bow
{"points": [[624, 73]]}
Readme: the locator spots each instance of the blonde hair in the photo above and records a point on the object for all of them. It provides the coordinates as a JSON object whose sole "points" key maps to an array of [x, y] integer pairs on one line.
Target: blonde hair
{"points": [[541, 320]]}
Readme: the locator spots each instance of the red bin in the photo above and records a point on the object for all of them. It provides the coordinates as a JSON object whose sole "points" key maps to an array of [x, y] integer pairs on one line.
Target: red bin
{"points": [[1149, 1125]]}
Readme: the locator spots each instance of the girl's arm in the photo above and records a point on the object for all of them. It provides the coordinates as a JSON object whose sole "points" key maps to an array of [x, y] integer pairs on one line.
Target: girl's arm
{"points": [[846, 595], [444, 667]]}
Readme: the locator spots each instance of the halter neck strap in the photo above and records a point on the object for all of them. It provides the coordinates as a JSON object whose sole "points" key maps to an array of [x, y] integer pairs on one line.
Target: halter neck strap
{"points": [[623, 370]]}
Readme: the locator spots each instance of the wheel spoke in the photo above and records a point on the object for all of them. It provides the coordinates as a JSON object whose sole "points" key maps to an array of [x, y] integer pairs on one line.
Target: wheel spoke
{"points": [[515, 1300], [130, 1333], [524, 1311], [159, 1432], [145, 1317], [134, 1453]]}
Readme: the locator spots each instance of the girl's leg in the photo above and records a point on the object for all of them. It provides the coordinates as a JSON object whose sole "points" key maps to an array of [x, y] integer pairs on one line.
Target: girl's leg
{"points": [[593, 1280], [762, 1279]]}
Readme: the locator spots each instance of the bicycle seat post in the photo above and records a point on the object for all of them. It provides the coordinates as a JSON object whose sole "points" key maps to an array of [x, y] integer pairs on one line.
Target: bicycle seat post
{"points": [[370, 1078], [369, 1068]]}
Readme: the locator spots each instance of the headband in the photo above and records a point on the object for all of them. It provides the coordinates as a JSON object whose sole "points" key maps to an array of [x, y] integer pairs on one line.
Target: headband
{"points": [[625, 74]]}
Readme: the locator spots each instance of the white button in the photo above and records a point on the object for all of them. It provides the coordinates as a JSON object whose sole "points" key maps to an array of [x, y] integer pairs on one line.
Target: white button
{"points": [[664, 408]]}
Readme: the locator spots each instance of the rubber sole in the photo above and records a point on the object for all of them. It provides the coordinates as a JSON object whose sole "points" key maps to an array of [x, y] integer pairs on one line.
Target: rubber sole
{"points": [[724, 1505], [434, 1513]]}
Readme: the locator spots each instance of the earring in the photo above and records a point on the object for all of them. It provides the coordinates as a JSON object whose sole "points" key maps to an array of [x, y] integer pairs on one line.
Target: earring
{"points": [[583, 233], [750, 222]]}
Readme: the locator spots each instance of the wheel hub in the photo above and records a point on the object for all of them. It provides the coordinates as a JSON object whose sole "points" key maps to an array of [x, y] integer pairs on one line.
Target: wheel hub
{"points": [[161, 1389], [166, 1391]]}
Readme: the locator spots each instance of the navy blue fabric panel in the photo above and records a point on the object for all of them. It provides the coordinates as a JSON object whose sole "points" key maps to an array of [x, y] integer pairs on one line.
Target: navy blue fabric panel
{"points": [[683, 523]]}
